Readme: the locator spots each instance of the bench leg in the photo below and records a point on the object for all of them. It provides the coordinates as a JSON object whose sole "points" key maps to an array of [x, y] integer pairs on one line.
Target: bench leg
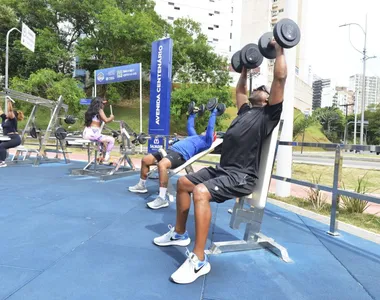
{"points": [[253, 238]]}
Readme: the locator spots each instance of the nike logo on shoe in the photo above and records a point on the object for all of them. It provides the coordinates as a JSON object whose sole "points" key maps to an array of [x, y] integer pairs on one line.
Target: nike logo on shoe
{"points": [[197, 270]]}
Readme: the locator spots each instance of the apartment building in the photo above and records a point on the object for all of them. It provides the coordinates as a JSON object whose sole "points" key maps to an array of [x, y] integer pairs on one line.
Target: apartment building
{"points": [[372, 90], [345, 100], [318, 86], [217, 19]]}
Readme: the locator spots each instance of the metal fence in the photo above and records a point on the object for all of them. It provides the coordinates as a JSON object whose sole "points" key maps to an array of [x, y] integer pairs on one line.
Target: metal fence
{"points": [[335, 189]]}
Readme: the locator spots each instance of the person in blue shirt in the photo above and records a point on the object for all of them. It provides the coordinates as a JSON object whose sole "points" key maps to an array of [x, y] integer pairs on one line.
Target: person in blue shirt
{"points": [[177, 154]]}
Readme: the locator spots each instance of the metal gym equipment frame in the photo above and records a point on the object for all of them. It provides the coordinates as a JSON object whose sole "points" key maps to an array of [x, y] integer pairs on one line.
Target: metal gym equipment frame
{"points": [[124, 166], [23, 154]]}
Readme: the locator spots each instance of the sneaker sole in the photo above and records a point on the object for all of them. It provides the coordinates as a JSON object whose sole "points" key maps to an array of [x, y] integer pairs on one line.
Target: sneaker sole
{"points": [[205, 270], [182, 243], [157, 207], [138, 191]]}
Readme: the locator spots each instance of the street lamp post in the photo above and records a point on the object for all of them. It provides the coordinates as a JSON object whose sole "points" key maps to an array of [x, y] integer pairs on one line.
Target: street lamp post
{"points": [[365, 58]]}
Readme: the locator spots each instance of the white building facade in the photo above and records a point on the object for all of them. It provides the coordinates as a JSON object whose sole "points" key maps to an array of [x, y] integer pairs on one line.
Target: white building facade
{"points": [[372, 90], [232, 24]]}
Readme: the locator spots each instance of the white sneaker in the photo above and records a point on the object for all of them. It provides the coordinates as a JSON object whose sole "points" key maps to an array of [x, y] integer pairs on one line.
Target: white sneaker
{"points": [[158, 203], [3, 164], [172, 238], [138, 188], [191, 269]]}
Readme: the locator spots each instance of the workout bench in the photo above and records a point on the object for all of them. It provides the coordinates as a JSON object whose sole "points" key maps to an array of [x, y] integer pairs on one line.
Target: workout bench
{"points": [[187, 166], [253, 216]]}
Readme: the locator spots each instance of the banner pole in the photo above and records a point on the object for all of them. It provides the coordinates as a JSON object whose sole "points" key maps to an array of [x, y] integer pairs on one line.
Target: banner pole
{"points": [[141, 130], [95, 83]]}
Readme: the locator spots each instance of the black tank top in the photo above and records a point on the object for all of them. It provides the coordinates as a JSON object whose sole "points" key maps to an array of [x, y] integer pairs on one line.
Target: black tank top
{"points": [[9, 125]]}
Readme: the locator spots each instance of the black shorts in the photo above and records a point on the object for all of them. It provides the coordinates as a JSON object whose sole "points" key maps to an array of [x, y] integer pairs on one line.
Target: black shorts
{"points": [[175, 158], [223, 185]]}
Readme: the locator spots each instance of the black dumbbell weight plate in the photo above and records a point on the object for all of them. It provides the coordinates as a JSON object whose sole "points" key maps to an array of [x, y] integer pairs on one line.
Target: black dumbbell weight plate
{"points": [[201, 110], [236, 63], [60, 133], [287, 33], [211, 104], [221, 109], [251, 57], [142, 138], [191, 107], [33, 133], [267, 50]]}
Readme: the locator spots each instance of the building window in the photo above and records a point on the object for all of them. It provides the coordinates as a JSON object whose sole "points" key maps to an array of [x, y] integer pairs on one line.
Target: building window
{"points": [[211, 28], [274, 1], [232, 9], [212, 0], [230, 48], [210, 14], [216, 12], [177, 8], [171, 3], [216, 26], [215, 40], [281, 10], [230, 35], [170, 18], [232, 22]]}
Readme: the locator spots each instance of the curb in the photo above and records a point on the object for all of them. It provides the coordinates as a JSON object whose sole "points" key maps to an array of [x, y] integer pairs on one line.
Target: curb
{"points": [[362, 233]]}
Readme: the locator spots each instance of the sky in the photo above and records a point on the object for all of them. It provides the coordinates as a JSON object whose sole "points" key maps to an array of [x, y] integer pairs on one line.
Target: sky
{"points": [[329, 50]]}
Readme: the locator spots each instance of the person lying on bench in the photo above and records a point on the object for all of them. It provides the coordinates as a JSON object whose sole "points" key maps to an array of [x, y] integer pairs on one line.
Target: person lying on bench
{"points": [[9, 125], [93, 118], [236, 174], [177, 155]]}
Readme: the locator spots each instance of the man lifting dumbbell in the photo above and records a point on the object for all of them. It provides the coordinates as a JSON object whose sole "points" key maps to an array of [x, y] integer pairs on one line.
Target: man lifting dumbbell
{"points": [[237, 172], [179, 152]]}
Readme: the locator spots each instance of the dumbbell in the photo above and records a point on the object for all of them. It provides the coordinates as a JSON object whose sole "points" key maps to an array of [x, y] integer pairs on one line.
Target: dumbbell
{"points": [[249, 57], [213, 103], [70, 120], [192, 109], [286, 33]]}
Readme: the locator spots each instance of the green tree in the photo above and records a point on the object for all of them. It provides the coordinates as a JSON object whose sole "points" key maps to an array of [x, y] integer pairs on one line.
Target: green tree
{"points": [[193, 58], [199, 93], [48, 84], [332, 121]]}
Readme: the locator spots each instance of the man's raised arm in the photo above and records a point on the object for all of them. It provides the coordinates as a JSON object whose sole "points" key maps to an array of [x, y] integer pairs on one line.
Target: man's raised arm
{"points": [[241, 89], [279, 77]]}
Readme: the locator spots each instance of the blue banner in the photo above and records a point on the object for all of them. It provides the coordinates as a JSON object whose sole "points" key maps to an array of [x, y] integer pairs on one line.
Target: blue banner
{"points": [[160, 88], [155, 144], [85, 101], [118, 74]]}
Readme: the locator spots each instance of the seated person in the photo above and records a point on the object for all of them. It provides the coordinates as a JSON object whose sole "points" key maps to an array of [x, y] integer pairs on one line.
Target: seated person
{"points": [[177, 155], [93, 118], [236, 174], [9, 125]]}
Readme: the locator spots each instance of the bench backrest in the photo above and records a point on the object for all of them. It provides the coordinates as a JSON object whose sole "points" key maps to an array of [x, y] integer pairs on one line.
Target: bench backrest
{"points": [[258, 198]]}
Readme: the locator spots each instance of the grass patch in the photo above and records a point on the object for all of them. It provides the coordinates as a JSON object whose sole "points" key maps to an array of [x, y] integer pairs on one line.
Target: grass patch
{"points": [[350, 176], [365, 221]]}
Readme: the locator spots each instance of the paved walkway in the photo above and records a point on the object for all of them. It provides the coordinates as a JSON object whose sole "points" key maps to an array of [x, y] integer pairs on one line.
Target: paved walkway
{"points": [[69, 237], [296, 190]]}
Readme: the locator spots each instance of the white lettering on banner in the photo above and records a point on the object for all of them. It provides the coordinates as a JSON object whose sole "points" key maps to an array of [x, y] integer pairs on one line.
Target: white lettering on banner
{"points": [[158, 97]]}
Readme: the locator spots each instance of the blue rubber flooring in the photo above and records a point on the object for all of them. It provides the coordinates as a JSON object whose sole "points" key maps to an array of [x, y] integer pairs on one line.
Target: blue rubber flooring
{"points": [[71, 237]]}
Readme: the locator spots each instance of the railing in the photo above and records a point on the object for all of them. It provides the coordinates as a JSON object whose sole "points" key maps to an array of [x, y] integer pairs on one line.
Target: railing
{"points": [[335, 190]]}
